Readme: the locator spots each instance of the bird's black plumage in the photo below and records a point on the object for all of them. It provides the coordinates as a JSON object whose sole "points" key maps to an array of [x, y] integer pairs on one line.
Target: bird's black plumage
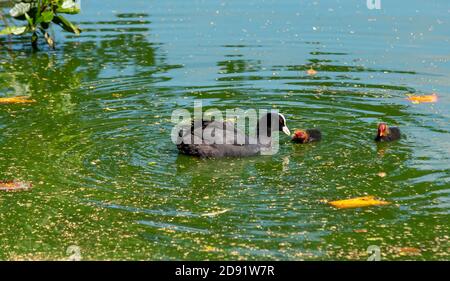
{"points": [[314, 135], [199, 139]]}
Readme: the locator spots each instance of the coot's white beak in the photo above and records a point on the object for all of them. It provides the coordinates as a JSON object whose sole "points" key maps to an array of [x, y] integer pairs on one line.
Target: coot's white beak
{"points": [[286, 130]]}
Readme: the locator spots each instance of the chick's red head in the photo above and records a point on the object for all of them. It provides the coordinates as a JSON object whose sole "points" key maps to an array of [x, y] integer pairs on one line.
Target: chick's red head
{"points": [[383, 130], [300, 135]]}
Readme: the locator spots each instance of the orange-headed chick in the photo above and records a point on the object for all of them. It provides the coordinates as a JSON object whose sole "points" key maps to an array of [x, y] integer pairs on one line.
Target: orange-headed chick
{"points": [[305, 136], [386, 133]]}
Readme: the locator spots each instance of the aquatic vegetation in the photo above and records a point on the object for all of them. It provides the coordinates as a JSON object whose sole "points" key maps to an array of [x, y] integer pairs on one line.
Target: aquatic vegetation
{"points": [[39, 14]]}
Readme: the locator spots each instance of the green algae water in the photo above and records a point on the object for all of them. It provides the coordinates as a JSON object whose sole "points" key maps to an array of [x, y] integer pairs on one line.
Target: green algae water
{"points": [[108, 181]]}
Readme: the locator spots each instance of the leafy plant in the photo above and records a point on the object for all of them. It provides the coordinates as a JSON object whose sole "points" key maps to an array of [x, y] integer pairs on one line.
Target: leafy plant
{"points": [[39, 14]]}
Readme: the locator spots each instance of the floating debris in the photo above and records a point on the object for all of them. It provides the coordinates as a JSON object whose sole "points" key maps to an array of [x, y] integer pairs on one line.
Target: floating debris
{"points": [[381, 174], [213, 214], [210, 249], [14, 185], [358, 202], [18, 99], [311, 72], [409, 251], [423, 99]]}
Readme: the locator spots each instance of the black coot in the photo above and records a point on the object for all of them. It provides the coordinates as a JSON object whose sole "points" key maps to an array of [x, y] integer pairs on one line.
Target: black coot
{"points": [[215, 138], [386, 133]]}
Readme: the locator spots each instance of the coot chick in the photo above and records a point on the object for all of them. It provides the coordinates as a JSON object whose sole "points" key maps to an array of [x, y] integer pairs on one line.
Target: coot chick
{"points": [[386, 133], [305, 136], [200, 142]]}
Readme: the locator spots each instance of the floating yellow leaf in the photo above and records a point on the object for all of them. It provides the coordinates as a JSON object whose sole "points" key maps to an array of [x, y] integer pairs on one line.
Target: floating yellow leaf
{"points": [[409, 251], [18, 99], [357, 202], [13, 185], [311, 72], [422, 99]]}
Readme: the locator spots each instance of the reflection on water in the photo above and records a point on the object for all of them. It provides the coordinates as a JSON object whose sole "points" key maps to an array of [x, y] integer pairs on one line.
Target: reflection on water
{"points": [[96, 143]]}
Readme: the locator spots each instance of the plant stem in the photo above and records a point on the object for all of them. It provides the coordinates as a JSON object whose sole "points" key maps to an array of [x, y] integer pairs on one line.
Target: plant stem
{"points": [[34, 41]]}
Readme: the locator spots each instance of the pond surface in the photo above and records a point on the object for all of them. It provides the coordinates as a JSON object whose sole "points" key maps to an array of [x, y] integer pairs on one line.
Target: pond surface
{"points": [[107, 179]]}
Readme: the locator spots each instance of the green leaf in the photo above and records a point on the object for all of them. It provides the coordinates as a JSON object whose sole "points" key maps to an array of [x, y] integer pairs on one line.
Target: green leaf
{"points": [[29, 19], [66, 25], [13, 30], [47, 16]]}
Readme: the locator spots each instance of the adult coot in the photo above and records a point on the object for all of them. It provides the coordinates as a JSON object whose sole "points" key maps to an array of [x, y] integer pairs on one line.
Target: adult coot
{"points": [[210, 139], [386, 133], [305, 136]]}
